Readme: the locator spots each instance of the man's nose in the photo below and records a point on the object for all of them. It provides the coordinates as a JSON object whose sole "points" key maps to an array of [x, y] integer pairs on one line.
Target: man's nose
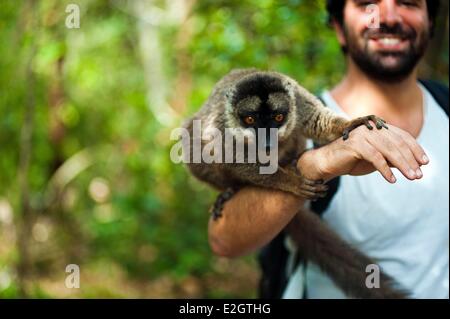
{"points": [[389, 14]]}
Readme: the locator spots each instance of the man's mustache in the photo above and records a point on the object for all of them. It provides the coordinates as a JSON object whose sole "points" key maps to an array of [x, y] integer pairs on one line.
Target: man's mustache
{"points": [[396, 30]]}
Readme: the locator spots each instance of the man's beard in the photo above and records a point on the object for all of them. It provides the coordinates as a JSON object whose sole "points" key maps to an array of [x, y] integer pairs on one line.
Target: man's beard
{"points": [[371, 62]]}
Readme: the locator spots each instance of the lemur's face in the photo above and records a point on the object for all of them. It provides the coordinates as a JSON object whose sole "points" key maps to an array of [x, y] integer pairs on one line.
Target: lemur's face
{"points": [[262, 102]]}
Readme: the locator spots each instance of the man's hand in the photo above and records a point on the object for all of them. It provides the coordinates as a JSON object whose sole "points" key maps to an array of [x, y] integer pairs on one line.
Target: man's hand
{"points": [[364, 152], [254, 216]]}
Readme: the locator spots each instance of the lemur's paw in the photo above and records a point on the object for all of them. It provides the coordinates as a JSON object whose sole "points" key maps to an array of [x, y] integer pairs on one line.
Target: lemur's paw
{"points": [[222, 198], [312, 190], [365, 120]]}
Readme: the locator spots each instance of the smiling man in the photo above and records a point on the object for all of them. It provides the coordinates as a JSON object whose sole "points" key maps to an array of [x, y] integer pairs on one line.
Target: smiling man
{"points": [[403, 223]]}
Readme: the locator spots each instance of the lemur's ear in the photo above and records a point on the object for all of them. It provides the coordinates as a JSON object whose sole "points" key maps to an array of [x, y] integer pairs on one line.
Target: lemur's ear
{"points": [[288, 85], [229, 93], [290, 88]]}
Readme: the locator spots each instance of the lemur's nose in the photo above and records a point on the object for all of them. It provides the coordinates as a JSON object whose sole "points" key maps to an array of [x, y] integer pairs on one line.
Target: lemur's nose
{"points": [[270, 140]]}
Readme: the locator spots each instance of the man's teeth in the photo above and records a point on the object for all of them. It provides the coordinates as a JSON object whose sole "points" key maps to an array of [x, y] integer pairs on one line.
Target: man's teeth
{"points": [[389, 41]]}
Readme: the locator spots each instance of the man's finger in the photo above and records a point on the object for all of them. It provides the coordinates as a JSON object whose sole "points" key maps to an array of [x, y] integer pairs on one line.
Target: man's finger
{"points": [[372, 155], [407, 154], [391, 153], [419, 153]]}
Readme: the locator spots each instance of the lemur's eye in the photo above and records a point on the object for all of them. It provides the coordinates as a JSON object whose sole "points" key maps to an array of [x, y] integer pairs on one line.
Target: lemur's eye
{"points": [[249, 120], [279, 118]]}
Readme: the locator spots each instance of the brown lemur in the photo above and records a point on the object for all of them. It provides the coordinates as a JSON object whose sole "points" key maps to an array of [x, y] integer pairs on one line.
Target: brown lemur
{"points": [[248, 100]]}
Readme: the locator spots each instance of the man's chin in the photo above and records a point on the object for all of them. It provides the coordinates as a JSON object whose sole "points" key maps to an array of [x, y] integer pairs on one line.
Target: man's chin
{"points": [[392, 64], [386, 67], [391, 70], [388, 74]]}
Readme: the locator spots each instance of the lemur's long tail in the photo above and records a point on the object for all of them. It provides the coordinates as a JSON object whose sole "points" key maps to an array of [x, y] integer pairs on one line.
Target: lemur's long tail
{"points": [[345, 265]]}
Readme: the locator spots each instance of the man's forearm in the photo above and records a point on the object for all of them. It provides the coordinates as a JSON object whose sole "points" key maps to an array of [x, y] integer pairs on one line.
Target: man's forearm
{"points": [[254, 216], [250, 219]]}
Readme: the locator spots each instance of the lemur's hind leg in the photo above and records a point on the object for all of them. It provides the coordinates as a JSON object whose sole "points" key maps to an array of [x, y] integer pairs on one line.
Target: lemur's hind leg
{"points": [[222, 198], [380, 123]]}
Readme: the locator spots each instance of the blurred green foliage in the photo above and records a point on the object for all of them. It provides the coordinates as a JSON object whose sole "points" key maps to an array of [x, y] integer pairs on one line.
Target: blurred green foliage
{"points": [[130, 217]]}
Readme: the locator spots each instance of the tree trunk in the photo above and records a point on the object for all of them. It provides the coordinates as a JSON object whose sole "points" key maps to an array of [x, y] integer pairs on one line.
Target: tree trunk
{"points": [[25, 213]]}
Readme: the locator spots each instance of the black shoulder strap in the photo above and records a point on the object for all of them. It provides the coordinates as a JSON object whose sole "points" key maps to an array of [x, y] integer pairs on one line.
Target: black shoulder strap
{"points": [[321, 205], [439, 93], [273, 261]]}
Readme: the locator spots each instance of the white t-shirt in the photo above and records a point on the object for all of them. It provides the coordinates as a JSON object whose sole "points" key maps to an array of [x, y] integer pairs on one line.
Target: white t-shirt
{"points": [[403, 226]]}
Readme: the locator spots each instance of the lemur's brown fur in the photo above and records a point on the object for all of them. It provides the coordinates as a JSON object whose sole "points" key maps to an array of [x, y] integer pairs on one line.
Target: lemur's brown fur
{"points": [[251, 90]]}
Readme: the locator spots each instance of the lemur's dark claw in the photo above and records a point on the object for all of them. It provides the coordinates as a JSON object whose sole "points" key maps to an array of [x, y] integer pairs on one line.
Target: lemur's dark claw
{"points": [[381, 124], [346, 134], [368, 125], [216, 209], [216, 214], [365, 120]]}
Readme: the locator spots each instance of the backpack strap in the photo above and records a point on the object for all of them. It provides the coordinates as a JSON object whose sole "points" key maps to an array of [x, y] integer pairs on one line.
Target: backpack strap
{"points": [[273, 260], [321, 205], [439, 93]]}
